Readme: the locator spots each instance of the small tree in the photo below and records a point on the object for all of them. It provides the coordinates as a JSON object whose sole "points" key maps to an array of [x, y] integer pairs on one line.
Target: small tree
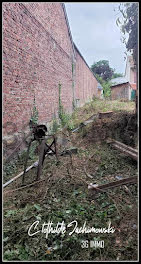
{"points": [[34, 113], [106, 86], [102, 69], [128, 23], [116, 75]]}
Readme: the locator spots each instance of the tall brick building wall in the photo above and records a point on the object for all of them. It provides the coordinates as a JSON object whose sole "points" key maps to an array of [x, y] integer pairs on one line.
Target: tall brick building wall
{"points": [[38, 53], [51, 16], [85, 83]]}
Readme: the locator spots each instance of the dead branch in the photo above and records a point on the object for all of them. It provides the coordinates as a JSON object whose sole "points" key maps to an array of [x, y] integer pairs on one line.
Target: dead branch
{"points": [[87, 174], [26, 186]]}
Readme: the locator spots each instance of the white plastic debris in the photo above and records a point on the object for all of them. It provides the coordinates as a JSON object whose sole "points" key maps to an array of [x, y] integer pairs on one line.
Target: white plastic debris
{"points": [[91, 186], [36, 164]]}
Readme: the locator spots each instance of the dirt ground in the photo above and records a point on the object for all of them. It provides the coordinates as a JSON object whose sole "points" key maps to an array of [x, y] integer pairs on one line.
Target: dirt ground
{"points": [[63, 195]]}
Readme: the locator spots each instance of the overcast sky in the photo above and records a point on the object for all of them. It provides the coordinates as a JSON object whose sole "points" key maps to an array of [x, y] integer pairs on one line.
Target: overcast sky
{"points": [[95, 33]]}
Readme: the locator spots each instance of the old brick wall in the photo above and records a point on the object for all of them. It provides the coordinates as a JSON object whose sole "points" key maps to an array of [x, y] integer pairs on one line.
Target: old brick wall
{"points": [[38, 54], [120, 91], [85, 82], [51, 16], [34, 62]]}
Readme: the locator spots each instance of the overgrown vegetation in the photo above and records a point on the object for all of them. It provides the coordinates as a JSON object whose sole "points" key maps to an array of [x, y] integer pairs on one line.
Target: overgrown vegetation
{"points": [[67, 199], [78, 116], [128, 23], [104, 73], [64, 117], [10, 168], [96, 105], [73, 101], [16, 165], [63, 196], [34, 113], [106, 85], [116, 75], [55, 126]]}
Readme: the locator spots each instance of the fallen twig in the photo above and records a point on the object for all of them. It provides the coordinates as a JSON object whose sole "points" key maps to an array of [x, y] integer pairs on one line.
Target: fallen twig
{"points": [[26, 186], [87, 174]]}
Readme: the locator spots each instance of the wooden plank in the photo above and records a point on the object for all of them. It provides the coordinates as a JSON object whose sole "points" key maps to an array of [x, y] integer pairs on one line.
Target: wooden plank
{"points": [[127, 152], [126, 147], [113, 184], [105, 114], [133, 153]]}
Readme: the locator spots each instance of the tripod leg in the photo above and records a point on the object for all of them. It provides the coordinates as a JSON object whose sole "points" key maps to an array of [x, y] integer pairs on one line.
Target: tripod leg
{"points": [[41, 159], [55, 146], [25, 165], [47, 147]]}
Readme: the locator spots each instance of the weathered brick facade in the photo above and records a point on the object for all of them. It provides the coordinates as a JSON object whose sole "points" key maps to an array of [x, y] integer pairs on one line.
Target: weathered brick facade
{"points": [[85, 83], [38, 53]]}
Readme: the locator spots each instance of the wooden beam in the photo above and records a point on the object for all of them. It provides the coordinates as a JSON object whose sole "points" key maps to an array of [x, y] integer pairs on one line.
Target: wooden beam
{"points": [[127, 152], [126, 146], [131, 152], [113, 184], [105, 114]]}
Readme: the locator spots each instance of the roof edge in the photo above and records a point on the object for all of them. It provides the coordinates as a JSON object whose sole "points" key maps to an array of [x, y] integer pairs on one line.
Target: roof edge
{"points": [[71, 39], [68, 26], [84, 60], [116, 84]]}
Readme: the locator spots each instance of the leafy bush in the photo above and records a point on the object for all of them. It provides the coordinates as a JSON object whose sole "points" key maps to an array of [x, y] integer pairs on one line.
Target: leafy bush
{"points": [[106, 86], [64, 117], [34, 114], [55, 126]]}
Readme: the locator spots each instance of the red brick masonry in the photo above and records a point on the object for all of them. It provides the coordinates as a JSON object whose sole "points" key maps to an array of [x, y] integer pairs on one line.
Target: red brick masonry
{"points": [[38, 54]]}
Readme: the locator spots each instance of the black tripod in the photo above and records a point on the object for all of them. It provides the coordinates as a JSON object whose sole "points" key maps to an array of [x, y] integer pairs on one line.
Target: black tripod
{"points": [[38, 134]]}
